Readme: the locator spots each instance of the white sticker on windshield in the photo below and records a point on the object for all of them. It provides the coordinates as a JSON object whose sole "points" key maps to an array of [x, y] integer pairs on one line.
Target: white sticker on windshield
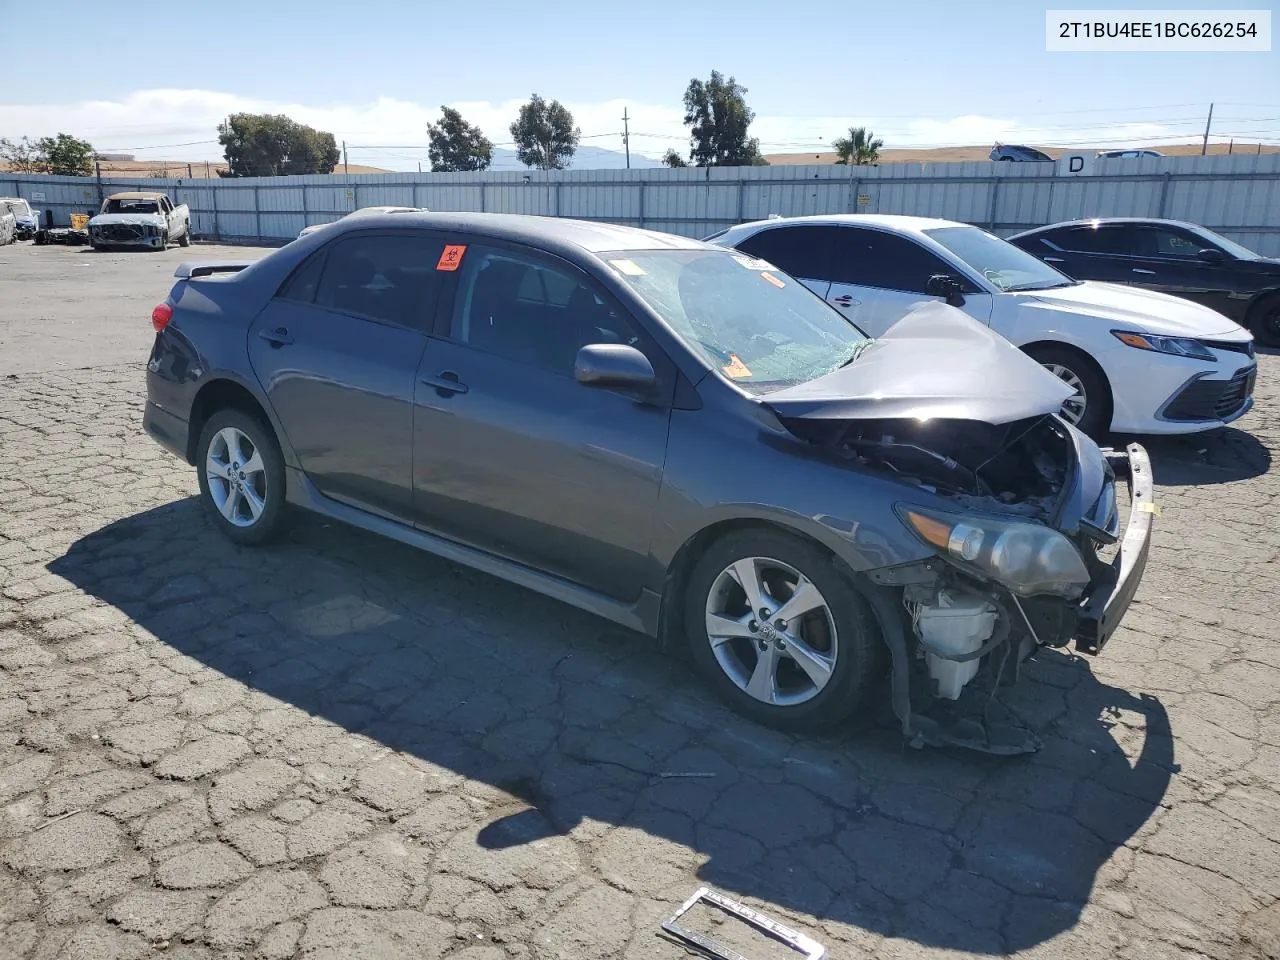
{"points": [[753, 263], [627, 267]]}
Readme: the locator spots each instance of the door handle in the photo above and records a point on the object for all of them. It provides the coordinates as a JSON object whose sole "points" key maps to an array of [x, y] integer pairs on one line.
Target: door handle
{"points": [[445, 384], [1145, 273], [846, 301], [278, 337], [1054, 260]]}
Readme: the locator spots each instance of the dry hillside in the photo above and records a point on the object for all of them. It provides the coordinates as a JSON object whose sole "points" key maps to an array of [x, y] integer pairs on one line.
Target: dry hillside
{"points": [[957, 154], [197, 170]]}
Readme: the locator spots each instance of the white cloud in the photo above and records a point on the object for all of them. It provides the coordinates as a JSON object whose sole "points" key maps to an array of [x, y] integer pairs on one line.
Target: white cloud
{"points": [[181, 125]]}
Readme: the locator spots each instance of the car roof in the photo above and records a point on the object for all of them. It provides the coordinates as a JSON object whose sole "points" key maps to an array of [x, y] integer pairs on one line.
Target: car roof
{"points": [[1099, 221], [136, 195], [546, 232], [885, 221]]}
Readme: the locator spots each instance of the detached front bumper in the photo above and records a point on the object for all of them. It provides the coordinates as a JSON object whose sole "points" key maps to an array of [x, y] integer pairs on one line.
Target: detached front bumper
{"points": [[1115, 583]]}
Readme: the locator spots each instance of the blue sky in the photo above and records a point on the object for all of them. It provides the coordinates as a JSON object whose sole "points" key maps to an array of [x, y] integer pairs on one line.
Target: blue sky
{"points": [[373, 72]]}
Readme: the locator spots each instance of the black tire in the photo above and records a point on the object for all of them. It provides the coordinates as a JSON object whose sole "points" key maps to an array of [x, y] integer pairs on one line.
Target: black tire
{"points": [[1096, 421], [1264, 321], [185, 239], [164, 242], [859, 647], [270, 521]]}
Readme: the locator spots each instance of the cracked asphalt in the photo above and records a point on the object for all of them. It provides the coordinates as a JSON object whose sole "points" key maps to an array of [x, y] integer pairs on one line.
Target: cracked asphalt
{"points": [[338, 747]]}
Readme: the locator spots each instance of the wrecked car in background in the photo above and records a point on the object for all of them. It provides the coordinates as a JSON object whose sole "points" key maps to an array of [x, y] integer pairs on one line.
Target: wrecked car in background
{"points": [[672, 435], [140, 220], [8, 225], [26, 220]]}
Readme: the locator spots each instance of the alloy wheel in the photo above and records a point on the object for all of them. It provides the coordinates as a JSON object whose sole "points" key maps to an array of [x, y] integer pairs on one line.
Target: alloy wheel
{"points": [[771, 631], [237, 477], [1073, 407]]}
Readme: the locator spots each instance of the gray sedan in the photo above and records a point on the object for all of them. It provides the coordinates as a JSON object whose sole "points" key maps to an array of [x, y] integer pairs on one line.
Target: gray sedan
{"points": [[672, 435]]}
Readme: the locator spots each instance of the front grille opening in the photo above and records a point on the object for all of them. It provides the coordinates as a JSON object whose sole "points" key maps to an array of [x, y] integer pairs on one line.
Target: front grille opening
{"points": [[1210, 399]]}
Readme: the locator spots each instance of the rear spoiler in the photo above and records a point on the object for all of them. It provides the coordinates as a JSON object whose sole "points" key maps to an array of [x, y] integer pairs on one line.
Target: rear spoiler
{"points": [[207, 268]]}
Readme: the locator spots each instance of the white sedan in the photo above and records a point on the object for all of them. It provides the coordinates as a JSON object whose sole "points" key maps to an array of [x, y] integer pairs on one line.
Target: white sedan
{"points": [[363, 211], [1140, 361]]}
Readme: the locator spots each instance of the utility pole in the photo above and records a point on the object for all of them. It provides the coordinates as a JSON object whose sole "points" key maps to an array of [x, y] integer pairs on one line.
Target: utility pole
{"points": [[626, 136], [344, 159], [1204, 147]]}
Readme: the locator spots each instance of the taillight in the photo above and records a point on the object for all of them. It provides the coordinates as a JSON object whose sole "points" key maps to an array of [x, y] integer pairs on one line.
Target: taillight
{"points": [[161, 316]]}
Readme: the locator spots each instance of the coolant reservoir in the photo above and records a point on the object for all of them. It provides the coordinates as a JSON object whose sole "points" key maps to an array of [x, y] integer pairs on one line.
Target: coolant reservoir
{"points": [[956, 623]]}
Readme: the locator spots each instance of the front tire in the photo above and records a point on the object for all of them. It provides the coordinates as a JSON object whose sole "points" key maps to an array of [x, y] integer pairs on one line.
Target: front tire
{"points": [[1089, 410], [185, 239], [779, 633], [241, 475], [1264, 321]]}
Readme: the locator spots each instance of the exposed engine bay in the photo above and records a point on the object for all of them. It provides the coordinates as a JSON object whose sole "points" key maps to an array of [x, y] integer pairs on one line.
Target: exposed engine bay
{"points": [[1021, 465]]}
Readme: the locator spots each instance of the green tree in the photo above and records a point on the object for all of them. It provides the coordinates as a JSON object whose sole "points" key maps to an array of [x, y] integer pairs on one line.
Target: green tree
{"points": [[718, 118], [860, 147], [455, 145], [673, 159], [272, 145], [23, 156], [68, 156], [545, 135], [63, 155]]}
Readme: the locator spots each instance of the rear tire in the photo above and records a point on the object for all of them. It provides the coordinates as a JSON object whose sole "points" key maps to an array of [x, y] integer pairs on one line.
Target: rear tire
{"points": [[1264, 321], [812, 672], [1090, 410], [241, 474]]}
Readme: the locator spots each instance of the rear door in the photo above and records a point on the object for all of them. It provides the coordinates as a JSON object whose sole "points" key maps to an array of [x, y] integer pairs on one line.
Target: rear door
{"points": [[511, 453], [336, 351], [886, 274], [1106, 252]]}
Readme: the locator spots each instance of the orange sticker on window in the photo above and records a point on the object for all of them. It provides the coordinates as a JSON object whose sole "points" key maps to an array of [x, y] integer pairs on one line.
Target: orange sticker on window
{"points": [[774, 280], [736, 368], [451, 259]]}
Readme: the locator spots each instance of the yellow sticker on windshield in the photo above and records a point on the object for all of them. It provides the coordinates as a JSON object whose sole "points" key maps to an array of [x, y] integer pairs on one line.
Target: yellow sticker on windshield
{"points": [[628, 267], [736, 368], [774, 280]]}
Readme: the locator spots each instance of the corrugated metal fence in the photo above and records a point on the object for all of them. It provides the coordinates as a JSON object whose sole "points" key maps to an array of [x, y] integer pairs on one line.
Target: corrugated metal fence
{"points": [[1237, 195]]}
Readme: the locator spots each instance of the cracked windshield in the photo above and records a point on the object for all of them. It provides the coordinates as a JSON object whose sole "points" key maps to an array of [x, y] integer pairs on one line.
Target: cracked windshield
{"points": [[758, 326]]}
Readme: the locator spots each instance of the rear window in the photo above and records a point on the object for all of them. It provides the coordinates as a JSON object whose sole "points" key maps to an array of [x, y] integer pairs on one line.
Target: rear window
{"points": [[391, 278]]}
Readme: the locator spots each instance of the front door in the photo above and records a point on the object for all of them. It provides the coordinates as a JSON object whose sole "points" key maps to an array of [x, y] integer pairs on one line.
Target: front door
{"points": [[886, 275], [511, 453], [336, 352]]}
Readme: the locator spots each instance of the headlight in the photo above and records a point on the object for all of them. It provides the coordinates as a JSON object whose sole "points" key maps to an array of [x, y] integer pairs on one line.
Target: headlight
{"points": [[1178, 346], [1028, 558]]}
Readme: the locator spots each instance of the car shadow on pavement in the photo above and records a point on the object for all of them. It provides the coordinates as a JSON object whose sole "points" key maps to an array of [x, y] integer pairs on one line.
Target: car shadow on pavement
{"points": [[1198, 459], [578, 727]]}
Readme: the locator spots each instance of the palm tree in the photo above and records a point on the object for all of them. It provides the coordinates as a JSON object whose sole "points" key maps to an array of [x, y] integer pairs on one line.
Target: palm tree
{"points": [[860, 147]]}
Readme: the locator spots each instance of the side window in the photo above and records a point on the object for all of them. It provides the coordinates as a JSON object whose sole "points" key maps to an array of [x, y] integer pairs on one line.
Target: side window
{"points": [[387, 277], [873, 258], [1161, 242], [522, 307], [165, 205], [1105, 239], [301, 284], [803, 252]]}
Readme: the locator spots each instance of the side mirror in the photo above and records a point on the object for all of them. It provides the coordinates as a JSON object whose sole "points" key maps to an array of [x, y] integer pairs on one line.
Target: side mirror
{"points": [[946, 286], [615, 366], [1210, 255]]}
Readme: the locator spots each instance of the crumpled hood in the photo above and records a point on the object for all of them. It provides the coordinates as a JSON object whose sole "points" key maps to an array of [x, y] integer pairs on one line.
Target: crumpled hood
{"points": [[1134, 307], [128, 219], [936, 362]]}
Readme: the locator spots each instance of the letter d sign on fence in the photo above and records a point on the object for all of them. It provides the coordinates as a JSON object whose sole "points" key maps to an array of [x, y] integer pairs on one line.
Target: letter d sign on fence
{"points": [[1075, 165]]}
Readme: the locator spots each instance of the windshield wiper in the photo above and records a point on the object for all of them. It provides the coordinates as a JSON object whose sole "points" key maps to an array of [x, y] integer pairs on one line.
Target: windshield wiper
{"points": [[857, 352]]}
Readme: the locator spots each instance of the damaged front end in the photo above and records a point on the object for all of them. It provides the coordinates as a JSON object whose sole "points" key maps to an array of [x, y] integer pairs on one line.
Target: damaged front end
{"points": [[1019, 514]]}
